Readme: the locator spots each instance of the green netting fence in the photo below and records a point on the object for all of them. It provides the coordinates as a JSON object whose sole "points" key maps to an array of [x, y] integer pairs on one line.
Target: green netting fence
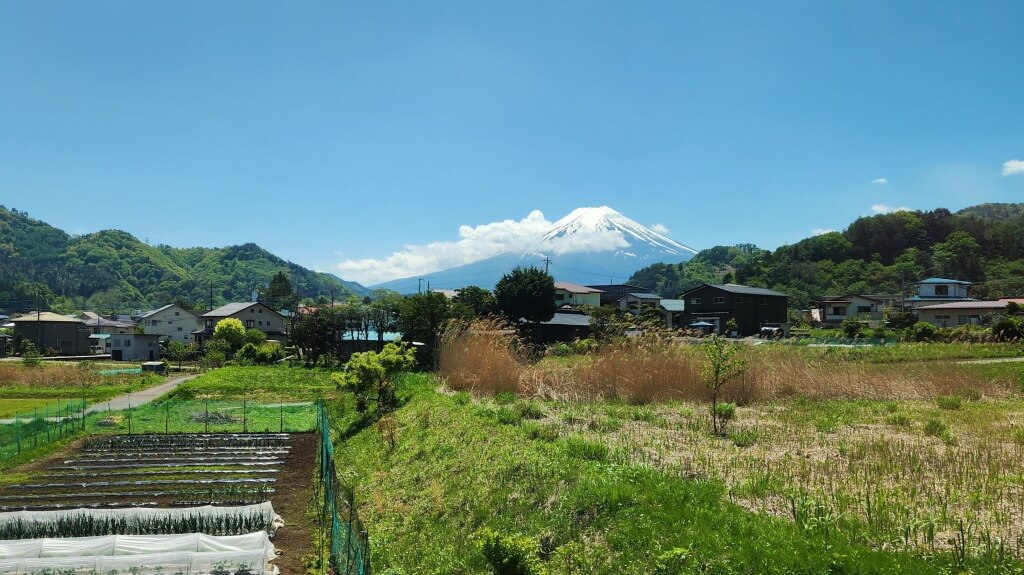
{"points": [[345, 545], [27, 430]]}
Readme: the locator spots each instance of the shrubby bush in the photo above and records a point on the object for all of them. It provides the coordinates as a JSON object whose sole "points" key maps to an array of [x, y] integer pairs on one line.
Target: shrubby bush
{"points": [[921, 331], [1008, 328], [510, 554]]}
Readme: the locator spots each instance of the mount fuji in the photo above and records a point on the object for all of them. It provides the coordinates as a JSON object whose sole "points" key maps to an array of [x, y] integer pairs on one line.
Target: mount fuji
{"points": [[588, 246]]}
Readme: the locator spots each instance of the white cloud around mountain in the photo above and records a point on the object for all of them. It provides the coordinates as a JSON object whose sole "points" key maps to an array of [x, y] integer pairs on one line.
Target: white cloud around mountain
{"points": [[476, 243], [880, 181], [884, 209], [821, 231], [1013, 167], [660, 228]]}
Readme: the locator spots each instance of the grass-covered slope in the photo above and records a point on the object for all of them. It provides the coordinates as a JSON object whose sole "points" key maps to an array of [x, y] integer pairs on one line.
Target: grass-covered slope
{"points": [[434, 476]]}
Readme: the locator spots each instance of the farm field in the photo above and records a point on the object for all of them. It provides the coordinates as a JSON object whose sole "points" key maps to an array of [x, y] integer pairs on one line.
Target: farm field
{"points": [[56, 381], [178, 471], [264, 384]]}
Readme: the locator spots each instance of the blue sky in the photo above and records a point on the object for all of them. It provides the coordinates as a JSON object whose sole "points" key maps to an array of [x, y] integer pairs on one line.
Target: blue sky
{"points": [[340, 131]]}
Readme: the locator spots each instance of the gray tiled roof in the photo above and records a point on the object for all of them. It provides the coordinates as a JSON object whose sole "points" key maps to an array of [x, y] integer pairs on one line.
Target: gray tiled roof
{"points": [[229, 309], [673, 304], [746, 290]]}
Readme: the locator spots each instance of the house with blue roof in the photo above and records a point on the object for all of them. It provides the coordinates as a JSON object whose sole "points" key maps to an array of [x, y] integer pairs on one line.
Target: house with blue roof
{"points": [[939, 290]]}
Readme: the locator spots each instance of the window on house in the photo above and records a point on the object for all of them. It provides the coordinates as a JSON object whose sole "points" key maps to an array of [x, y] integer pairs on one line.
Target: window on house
{"points": [[863, 309], [695, 300], [718, 300], [764, 301], [261, 323], [739, 300], [941, 290], [261, 311], [838, 310], [169, 322], [176, 313], [209, 323], [249, 323], [179, 329], [127, 343]]}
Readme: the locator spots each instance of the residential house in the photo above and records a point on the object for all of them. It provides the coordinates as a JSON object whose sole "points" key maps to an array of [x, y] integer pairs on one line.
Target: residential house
{"points": [[673, 309], [253, 315], [134, 347], [171, 322], [751, 307], [51, 331], [634, 301], [563, 327], [887, 301], [575, 295], [952, 314], [939, 290], [835, 309], [100, 330], [612, 293]]}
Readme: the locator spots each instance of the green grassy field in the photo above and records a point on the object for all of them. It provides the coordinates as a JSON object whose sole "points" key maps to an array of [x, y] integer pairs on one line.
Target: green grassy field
{"points": [[12, 407], [608, 487], [266, 384]]}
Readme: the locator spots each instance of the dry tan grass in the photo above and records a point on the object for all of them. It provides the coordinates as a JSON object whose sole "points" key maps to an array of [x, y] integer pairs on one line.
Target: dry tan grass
{"points": [[14, 374], [487, 357], [483, 357]]}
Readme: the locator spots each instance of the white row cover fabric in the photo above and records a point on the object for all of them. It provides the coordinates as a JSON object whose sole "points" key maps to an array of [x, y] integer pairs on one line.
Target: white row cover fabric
{"points": [[29, 520], [179, 563], [118, 545]]}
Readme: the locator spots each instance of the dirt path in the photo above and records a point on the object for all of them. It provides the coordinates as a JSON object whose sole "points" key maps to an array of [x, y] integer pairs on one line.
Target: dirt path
{"points": [[140, 397], [292, 500]]}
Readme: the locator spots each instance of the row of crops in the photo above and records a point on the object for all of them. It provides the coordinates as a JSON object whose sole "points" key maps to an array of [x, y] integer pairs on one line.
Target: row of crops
{"points": [[189, 504]]}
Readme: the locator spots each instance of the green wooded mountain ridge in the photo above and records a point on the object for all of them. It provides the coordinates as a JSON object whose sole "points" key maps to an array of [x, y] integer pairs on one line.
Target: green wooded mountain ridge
{"points": [[878, 254], [111, 271]]}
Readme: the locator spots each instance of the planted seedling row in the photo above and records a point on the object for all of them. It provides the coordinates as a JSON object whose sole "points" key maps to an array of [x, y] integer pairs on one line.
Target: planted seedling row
{"points": [[56, 475], [227, 459], [187, 451], [26, 486], [95, 505], [169, 465], [93, 494]]}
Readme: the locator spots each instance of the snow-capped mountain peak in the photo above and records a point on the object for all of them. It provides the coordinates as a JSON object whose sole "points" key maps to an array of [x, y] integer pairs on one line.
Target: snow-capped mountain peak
{"points": [[601, 227]]}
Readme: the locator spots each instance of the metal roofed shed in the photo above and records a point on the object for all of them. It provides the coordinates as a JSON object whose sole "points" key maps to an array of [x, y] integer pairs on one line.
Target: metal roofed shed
{"points": [[576, 288], [675, 305]]}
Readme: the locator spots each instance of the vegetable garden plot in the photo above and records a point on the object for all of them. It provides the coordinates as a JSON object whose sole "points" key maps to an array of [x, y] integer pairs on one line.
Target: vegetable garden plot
{"points": [[84, 492], [148, 470]]}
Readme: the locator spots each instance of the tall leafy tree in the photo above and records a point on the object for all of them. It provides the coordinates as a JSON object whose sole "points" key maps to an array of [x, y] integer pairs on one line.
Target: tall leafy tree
{"points": [[526, 293], [280, 294], [420, 318], [958, 257], [472, 302]]}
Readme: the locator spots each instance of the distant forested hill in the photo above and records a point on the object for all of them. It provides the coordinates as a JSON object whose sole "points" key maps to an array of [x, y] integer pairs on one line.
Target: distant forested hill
{"points": [[878, 254], [112, 271]]}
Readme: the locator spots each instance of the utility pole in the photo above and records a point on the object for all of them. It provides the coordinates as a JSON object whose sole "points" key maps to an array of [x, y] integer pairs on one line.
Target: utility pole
{"points": [[419, 286], [332, 297], [428, 286], [547, 262]]}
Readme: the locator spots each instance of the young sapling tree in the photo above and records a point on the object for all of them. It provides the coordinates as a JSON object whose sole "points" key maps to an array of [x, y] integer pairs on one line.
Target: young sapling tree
{"points": [[721, 365]]}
